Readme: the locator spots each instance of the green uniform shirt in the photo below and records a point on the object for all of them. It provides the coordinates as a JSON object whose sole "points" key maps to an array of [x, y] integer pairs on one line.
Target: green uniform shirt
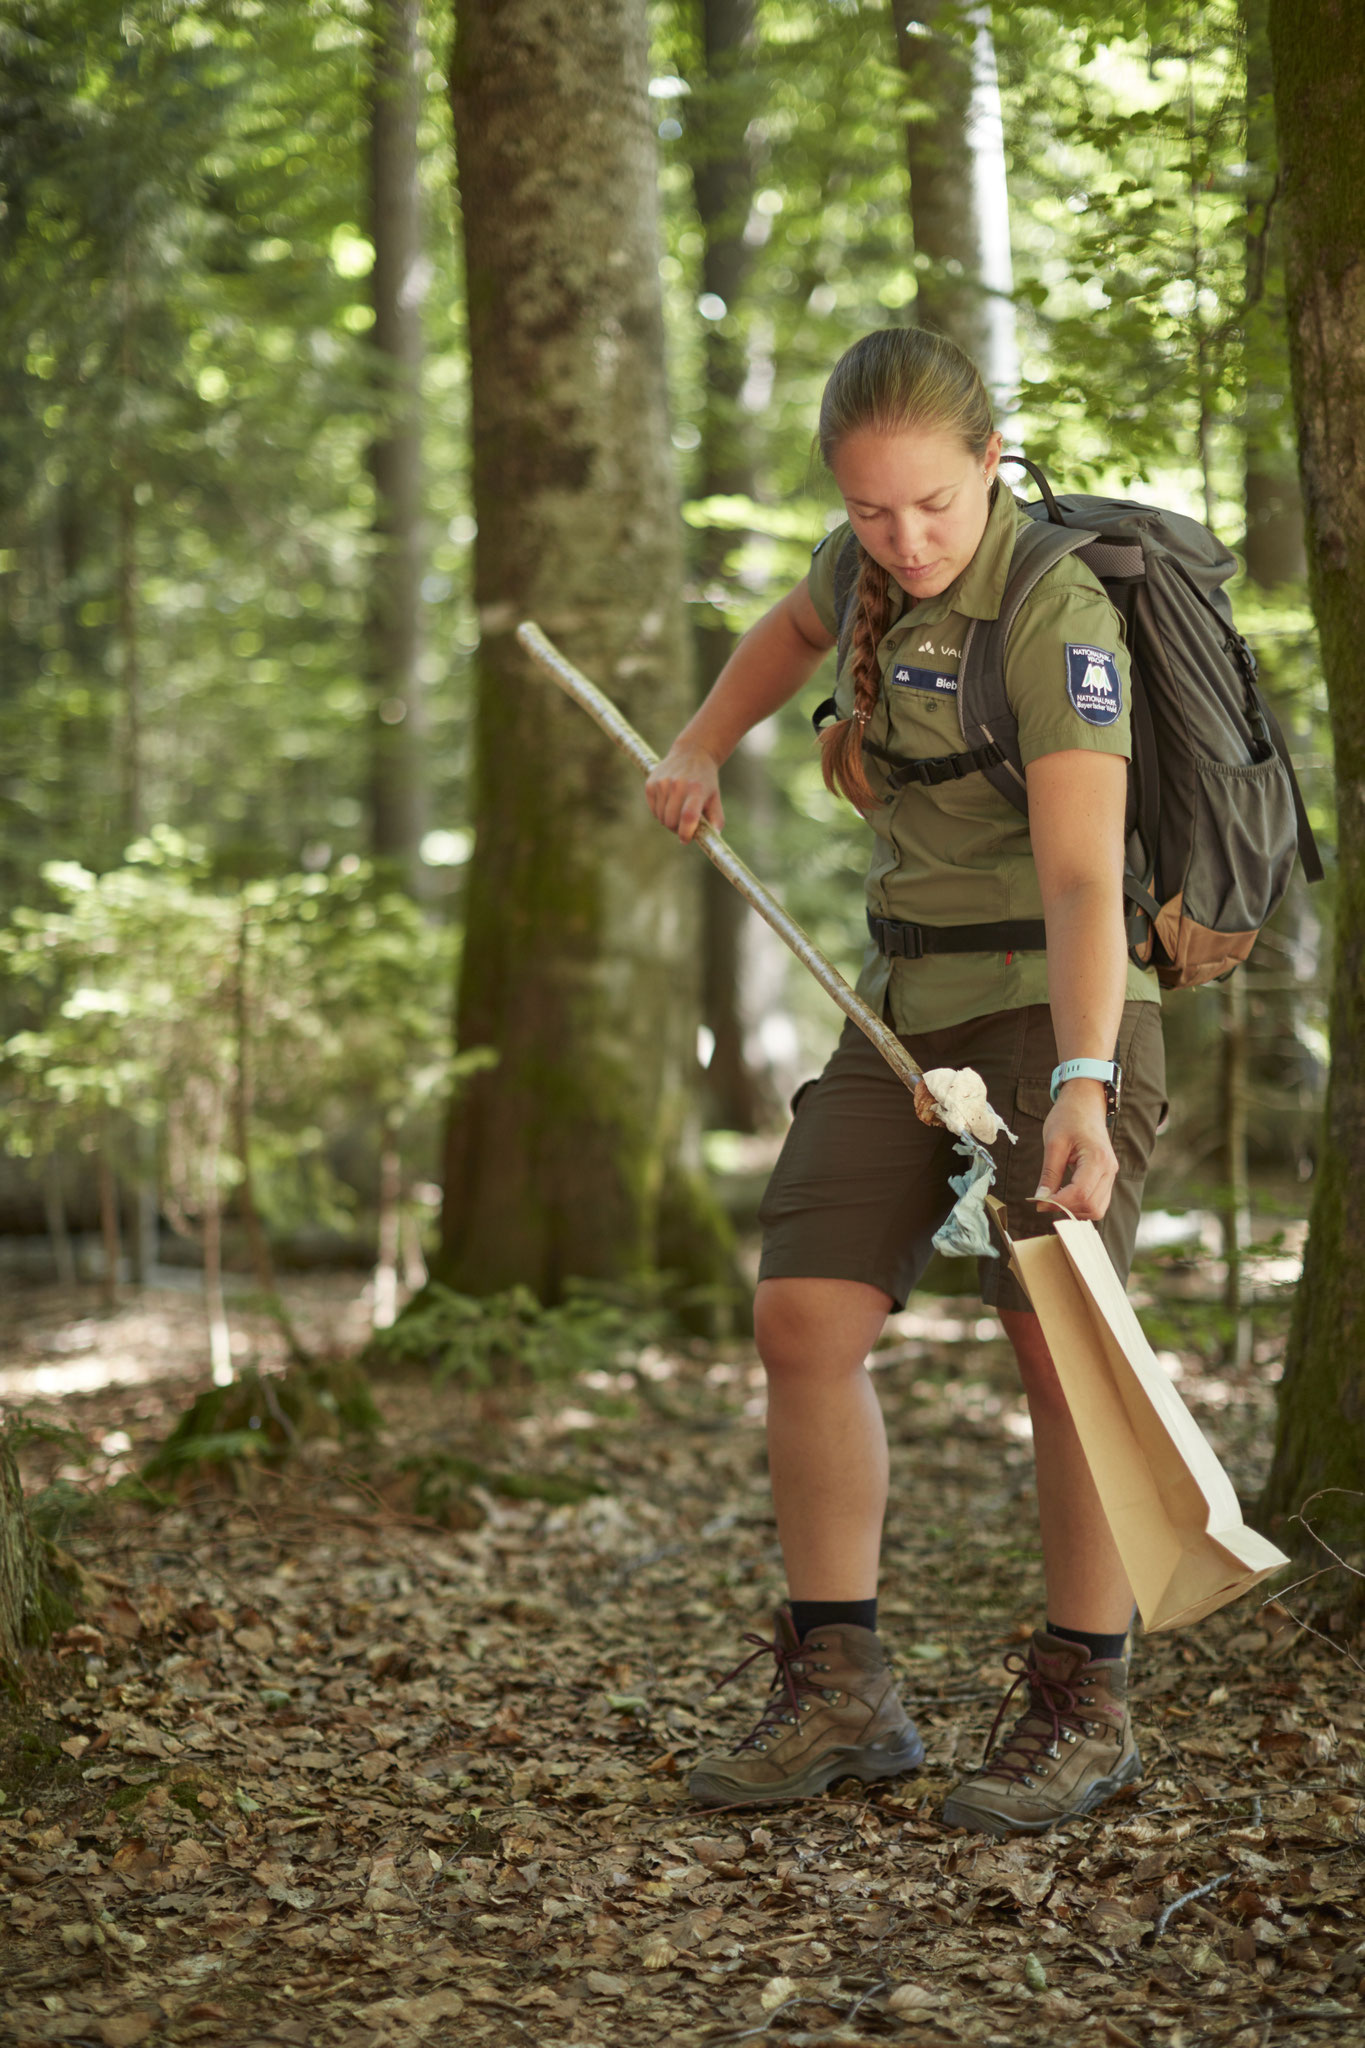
{"points": [[958, 852]]}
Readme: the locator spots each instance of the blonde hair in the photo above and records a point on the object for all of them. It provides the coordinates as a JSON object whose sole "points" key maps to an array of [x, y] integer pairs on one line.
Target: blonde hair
{"points": [[897, 378]]}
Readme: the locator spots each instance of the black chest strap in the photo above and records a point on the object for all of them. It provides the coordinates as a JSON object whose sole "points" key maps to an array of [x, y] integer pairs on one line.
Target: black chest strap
{"points": [[935, 768], [927, 770]]}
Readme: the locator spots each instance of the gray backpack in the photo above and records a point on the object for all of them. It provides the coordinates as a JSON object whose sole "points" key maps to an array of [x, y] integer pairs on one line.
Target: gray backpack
{"points": [[1215, 815]]}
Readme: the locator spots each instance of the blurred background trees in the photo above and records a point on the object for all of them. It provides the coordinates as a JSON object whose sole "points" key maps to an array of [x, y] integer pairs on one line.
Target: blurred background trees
{"points": [[255, 589]]}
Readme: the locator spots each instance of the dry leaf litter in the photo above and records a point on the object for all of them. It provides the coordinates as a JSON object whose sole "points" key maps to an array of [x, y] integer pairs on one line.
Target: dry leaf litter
{"points": [[321, 1771]]}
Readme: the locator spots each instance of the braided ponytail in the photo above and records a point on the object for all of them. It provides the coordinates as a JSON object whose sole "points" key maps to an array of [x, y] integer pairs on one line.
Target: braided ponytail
{"points": [[841, 745], [896, 379]]}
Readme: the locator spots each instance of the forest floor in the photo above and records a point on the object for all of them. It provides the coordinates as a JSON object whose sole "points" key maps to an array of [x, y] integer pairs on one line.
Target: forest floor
{"points": [[319, 1771]]}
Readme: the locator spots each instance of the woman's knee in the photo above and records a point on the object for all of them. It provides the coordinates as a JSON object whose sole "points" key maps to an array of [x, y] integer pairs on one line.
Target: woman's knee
{"points": [[826, 1326]]}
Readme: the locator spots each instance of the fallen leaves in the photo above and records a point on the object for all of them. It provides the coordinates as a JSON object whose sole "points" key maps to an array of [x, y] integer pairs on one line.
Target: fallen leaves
{"points": [[343, 1782]]}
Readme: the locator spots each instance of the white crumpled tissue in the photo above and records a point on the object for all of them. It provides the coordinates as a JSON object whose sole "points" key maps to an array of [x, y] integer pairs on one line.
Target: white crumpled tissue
{"points": [[960, 1096]]}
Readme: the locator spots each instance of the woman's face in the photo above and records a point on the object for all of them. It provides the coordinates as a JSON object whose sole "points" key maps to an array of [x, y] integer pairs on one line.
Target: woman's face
{"points": [[917, 500]]}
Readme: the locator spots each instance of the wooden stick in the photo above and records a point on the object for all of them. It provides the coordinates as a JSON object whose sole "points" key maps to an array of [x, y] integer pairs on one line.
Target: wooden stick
{"points": [[601, 709]]}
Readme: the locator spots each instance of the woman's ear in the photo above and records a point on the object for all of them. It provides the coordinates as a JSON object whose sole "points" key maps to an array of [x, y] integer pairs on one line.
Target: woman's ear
{"points": [[994, 449]]}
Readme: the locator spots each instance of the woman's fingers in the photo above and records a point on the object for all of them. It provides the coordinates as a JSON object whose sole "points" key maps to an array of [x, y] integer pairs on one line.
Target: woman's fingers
{"points": [[682, 791], [1079, 1166]]}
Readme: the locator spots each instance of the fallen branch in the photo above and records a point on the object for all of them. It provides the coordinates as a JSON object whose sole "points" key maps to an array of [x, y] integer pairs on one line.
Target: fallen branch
{"points": [[1201, 1891]]}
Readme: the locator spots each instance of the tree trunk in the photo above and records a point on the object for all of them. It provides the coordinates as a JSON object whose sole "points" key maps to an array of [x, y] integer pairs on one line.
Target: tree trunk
{"points": [[111, 1245], [59, 1236], [579, 964], [390, 1228], [723, 184], [1236, 1176], [41, 1586], [133, 818], [397, 760], [959, 206], [215, 1309], [19, 1570], [243, 1107], [1274, 509], [1318, 47]]}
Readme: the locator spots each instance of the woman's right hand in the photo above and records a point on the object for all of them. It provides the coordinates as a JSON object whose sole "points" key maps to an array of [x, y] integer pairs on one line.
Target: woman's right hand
{"points": [[685, 788]]}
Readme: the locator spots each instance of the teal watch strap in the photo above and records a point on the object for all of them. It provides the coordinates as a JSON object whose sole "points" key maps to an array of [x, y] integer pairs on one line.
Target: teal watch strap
{"points": [[1086, 1070]]}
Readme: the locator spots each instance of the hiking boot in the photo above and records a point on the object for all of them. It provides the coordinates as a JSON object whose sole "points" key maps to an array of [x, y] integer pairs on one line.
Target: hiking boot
{"points": [[1070, 1750], [833, 1712]]}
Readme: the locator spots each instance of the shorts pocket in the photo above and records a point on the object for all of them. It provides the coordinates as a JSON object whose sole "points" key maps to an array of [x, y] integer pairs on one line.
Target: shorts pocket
{"points": [[1033, 1099], [1143, 1107]]}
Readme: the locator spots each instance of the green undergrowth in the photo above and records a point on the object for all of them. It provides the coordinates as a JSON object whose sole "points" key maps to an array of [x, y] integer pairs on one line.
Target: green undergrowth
{"points": [[264, 1419], [511, 1336], [443, 1487]]}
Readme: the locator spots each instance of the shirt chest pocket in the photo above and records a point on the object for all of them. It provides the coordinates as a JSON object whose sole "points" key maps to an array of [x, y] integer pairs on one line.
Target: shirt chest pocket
{"points": [[920, 695]]}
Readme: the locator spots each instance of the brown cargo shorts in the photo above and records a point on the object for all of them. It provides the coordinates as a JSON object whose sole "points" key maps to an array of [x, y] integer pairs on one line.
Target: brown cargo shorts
{"points": [[861, 1185]]}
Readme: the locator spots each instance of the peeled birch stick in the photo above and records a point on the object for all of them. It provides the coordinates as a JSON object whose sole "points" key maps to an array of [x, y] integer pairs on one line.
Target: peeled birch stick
{"points": [[601, 709], [966, 1115]]}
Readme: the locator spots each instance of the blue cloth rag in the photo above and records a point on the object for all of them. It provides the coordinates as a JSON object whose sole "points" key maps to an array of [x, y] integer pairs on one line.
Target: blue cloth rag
{"points": [[965, 1232]]}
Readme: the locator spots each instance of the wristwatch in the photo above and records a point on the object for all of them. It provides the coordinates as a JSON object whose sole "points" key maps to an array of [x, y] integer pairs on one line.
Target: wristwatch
{"points": [[1108, 1071]]}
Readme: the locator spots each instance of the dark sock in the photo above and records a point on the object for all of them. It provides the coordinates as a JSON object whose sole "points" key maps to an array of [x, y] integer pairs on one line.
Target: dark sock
{"points": [[1103, 1649], [809, 1614]]}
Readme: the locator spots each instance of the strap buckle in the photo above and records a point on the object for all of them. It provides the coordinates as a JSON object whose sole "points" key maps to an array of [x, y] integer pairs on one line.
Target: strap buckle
{"points": [[899, 941]]}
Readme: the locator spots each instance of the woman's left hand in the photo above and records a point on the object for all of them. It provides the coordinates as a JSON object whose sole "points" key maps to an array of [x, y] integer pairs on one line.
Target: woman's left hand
{"points": [[1079, 1162]]}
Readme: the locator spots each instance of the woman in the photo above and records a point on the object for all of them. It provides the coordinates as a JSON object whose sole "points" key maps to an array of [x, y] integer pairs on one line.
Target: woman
{"points": [[861, 1184]]}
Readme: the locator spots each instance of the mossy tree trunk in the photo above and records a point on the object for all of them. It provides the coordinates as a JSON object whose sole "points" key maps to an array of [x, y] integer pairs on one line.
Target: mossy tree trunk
{"points": [[19, 1565], [1274, 510], [723, 186], [958, 205], [393, 624], [1318, 50], [581, 938]]}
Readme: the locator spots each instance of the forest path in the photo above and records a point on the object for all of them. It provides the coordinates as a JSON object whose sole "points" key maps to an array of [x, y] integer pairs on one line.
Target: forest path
{"points": [[320, 1772]]}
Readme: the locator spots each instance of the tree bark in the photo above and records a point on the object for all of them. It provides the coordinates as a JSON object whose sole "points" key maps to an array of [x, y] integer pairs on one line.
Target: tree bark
{"points": [[243, 1112], [19, 1568], [1235, 1088], [385, 1308], [1318, 49], [723, 185], [215, 1309], [1274, 509], [579, 964], [111, 1244], [133, 816], [40, 1585], [393, 624], [959, 207], [59, 1236]]}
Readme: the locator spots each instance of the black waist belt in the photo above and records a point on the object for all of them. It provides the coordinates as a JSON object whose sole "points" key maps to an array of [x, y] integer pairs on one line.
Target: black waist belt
{"points": [[912, 941]]}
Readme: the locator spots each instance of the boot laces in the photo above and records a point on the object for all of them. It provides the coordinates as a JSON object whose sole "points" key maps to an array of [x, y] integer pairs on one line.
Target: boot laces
{"points": [[1052, 1714], [790, 1681]]}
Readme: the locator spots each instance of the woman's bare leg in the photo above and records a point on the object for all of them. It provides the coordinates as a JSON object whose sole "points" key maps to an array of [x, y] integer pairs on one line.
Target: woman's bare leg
{"points": [[1087, 1587], [826, 1439]]}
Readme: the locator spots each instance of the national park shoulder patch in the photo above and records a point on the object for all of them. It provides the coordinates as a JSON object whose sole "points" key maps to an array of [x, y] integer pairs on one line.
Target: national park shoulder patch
{"points": [[1092, 684]]}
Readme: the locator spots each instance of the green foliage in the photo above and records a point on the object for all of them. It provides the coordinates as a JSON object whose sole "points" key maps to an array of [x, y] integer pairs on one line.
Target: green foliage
{"points": [[442, 1483], [510, 1335], [262, 1418], [186, 514], [164, 1004]]}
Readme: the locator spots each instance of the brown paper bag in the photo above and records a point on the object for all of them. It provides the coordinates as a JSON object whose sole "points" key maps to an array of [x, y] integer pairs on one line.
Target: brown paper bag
{"points": [[1174, 1516]]}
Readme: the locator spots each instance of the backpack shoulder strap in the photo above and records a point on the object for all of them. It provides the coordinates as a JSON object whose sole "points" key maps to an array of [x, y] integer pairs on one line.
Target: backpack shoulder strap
{"points": [[847, 565], [983, 705]]}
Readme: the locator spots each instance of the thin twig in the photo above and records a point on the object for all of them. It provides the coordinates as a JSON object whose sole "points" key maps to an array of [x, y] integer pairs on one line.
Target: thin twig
{"points": [[1340, 1648], [1201, 1891], [1302, 1516], [873, 1991]]}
